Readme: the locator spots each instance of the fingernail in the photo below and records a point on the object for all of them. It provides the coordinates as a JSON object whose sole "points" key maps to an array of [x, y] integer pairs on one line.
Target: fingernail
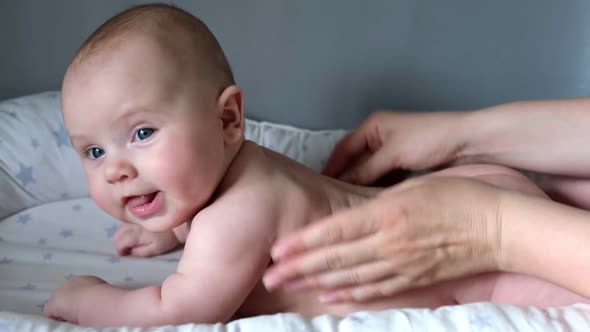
{"points": [[270, 282], [277, 253], [328, 298]]}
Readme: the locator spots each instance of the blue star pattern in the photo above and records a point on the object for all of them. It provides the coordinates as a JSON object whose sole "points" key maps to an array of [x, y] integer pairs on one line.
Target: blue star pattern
{"points": [[34, 143], [47, 256], [5, 260], [76, 207], [61, 137], [12, 114], [66, 233], [40, 306], [25, 175], [42, 242], [111, 230], [114, 259], [24, 218], [28, 286], [69, 276]]}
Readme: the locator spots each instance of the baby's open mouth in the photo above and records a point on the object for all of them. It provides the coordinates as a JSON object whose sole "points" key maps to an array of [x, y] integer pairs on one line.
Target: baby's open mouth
{"points": [[143, 206], [137, 201]]}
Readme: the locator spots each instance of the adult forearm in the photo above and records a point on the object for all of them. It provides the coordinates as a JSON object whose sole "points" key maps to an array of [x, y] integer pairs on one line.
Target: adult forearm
{"points": [[549, 136], [547, 240]]}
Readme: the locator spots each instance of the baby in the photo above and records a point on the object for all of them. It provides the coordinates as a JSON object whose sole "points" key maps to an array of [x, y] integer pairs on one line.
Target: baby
{"points": [[151, 106]]}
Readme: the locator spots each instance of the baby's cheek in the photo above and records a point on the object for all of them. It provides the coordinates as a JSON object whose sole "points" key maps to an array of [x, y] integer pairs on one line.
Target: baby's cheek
{"points": [[184, 169], [105, 200]]}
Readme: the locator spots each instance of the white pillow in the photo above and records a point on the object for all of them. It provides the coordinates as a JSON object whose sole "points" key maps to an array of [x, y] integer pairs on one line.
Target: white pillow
{"points": [[38, 164]]}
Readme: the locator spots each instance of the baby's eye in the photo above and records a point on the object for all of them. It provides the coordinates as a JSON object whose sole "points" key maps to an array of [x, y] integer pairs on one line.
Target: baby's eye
{"points": [[94, 152], [143, 133]]}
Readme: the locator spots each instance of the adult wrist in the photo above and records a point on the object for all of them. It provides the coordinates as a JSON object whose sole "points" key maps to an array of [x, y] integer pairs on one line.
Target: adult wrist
{"points": [[462, 135]]}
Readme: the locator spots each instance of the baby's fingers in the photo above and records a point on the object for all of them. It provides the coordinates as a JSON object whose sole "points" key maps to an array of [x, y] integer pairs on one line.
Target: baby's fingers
{"points": [[144, 251]]}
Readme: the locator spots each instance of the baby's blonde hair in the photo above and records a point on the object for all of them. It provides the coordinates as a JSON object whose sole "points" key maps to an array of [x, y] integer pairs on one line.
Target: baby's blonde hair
{"points": [[185, 33]]}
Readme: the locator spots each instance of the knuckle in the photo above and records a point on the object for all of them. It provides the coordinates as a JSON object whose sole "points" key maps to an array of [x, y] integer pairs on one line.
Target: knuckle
{"points": [[374, 139], [377, 116], [355, 278], [332, 233], [334, 261]]}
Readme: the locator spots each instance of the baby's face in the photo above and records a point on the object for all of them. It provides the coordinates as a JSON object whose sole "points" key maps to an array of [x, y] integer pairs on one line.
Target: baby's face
{"points": [[152, 146]]}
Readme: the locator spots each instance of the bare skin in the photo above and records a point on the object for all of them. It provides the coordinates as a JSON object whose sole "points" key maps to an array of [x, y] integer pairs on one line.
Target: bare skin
{"points": [[306, 195]]}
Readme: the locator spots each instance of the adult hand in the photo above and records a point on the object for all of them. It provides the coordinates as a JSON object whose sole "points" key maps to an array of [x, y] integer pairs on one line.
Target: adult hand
{"points": [[422, 231], [390, 140]]}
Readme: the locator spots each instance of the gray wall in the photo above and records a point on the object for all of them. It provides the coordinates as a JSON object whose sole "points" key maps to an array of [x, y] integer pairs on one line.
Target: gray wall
{"points": [[328, 63]]}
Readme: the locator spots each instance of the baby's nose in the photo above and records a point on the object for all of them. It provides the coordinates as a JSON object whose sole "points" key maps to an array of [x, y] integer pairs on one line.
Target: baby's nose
{"points": [[119, 170]]}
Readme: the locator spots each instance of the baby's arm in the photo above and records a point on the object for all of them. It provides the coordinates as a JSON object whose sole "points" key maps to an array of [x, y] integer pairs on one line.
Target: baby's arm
{"points": [[225, 256]]}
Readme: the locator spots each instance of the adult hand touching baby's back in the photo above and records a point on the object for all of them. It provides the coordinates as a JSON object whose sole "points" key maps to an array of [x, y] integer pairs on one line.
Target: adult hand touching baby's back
{"points": [[420, 232], [391, 140]]}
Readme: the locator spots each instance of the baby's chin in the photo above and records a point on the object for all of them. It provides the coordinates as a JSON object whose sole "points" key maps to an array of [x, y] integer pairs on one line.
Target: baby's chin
{"points": [[158, 224], [163, 222]]}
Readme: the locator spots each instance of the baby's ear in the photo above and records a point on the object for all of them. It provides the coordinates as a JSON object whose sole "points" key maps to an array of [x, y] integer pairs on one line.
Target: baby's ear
{"points": [[230, 105]]}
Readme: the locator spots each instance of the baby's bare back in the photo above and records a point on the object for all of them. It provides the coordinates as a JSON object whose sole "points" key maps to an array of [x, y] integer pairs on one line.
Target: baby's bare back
{"points": [[328, 195]]}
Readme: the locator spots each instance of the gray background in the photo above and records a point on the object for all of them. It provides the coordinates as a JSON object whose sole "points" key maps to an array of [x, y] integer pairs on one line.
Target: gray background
{"points": [[328, 63]]}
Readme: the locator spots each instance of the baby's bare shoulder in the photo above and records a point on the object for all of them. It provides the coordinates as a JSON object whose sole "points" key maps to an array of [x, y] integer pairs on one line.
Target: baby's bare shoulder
{"points": [[243, 214], [230, 230]]}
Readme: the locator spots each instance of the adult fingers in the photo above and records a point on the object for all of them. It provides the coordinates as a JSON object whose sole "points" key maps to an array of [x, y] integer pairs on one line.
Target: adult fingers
{"points": [[353, 276], [324, 259], [366, 292], [369, 170], [343, 226], [350, 147]]}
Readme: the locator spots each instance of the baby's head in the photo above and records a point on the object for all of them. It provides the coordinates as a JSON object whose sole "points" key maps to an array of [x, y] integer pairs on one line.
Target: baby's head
{"points": [[151, 106]]}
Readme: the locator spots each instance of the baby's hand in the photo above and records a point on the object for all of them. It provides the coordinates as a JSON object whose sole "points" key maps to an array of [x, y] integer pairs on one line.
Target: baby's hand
{"points": [[136, 241], [64, 303]]}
